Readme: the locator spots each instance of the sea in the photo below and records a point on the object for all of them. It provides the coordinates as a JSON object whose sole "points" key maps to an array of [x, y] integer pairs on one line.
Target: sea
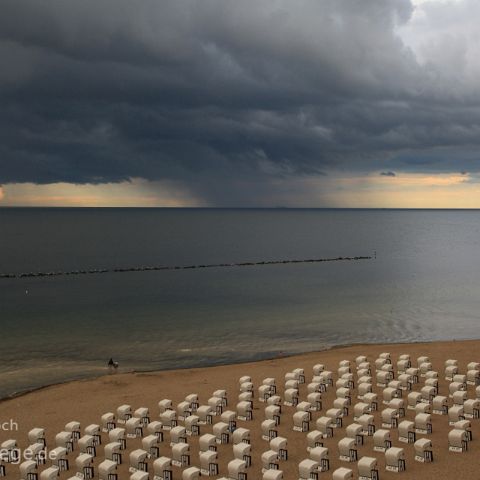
{"points": [[422, 283]]}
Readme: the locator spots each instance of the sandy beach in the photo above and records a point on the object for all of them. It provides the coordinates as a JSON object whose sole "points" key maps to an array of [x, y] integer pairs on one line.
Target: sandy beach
{"points": [[85, 401]]}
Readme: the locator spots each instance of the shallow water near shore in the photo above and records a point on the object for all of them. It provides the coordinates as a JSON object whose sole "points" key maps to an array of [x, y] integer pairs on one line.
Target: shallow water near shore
{"points": [[423, 285]]}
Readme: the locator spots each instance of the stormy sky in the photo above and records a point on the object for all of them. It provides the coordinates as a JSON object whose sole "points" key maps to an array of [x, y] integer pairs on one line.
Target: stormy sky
{"points": [[317, 103]]}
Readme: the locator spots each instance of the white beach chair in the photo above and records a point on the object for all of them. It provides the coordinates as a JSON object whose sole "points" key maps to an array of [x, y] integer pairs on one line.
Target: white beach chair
{"points": [[382, 440], [395, 459], [162, 468], [342, 473], [347, 450], [368, 468]]}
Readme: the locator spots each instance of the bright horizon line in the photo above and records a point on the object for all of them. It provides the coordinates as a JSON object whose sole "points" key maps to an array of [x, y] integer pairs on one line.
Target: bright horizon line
{"points": [[81, 207]]}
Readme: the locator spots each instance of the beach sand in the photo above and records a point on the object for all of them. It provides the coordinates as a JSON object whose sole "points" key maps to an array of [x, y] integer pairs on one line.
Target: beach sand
{"points": [[85, 401]]}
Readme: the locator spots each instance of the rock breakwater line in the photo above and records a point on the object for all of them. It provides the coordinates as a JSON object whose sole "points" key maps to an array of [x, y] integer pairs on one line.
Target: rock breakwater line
{"points": [[176, 267]]}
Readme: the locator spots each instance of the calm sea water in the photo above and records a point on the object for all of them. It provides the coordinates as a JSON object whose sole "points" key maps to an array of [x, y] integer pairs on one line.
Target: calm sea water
{"points": [[423, 285]]}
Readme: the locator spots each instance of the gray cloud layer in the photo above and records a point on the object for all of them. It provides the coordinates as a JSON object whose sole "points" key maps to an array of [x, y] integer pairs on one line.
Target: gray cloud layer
{"points": [[219, 93]]}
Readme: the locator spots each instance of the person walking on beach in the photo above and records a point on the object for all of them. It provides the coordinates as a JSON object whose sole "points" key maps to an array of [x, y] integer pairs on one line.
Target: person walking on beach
{"points": [[112, 366]]}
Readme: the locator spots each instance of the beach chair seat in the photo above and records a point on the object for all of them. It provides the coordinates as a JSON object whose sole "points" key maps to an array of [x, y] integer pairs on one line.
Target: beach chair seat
{"points": [[371, 400], [427, 392], [244, 411], [181, 455], [355, 431], [243, 451], [84, 466], [156, 428], [305, 407], [455, 413], [178, 434], [314, 439], [405, 381], [440, 405], [395, 459], [423, 408], [168, 419], [191, 473], [124, 412], [269, 429], [208, 442], [325, 426], [138, 460], [459, 397], [65, 440], [389, 418], [412, 399], [336, 415], [320, 455], [362, 389], [221, 394], [291, 397], [368, 468], [347, 450], [118, 435], [192, 399], [205, 414], [315, 400], [360, 359], [113, 452], [264, 392], [301, 421], [237, 469], [59, 457], [367, 421], [342, 473], [221, 432], [241, 435], [466, 426], [406, 432], [28, 470], [382, 440], [342, 404], [37, 435], [273, 475], [344, 392], [269, 461], [162, 469], [450, 371], [398, 404], [229, 417], [308, 470], [208, 463], [139, 475], [164, 405], [51, 473], [183, 410], [108, 421], [457, 441], [151, 445], [279, 445], [423, 423], [107, 470], [95, 431], [134, 427], [75, 429], [423, 450]]}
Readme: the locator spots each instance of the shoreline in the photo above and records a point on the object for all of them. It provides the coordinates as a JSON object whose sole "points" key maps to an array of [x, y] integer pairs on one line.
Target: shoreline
{"points": [[22, 393]]}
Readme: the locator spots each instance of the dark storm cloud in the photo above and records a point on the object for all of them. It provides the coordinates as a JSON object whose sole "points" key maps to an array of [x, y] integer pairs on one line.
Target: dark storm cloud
{"points": [[217, 93]]}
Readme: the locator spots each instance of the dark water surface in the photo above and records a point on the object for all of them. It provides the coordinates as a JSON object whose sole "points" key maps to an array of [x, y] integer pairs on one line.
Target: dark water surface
{"points": [[423, 285]]}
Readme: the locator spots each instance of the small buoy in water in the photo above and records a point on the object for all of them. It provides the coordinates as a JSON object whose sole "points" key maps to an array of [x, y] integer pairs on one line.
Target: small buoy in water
{"points": [[26, 292]]}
